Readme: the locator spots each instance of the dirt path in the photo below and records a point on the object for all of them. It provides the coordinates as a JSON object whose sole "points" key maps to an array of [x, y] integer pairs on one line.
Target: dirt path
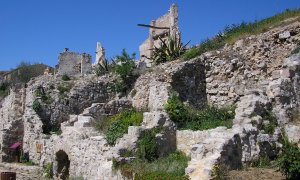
{"points": [[23, 172], [22, 176]]}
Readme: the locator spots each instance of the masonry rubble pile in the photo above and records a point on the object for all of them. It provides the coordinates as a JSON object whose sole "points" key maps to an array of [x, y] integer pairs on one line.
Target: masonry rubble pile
{"points": [[257, 74]]}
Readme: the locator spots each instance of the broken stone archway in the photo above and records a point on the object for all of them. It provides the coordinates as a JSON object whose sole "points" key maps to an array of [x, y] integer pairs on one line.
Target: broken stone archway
{"points": [[62, 165]]}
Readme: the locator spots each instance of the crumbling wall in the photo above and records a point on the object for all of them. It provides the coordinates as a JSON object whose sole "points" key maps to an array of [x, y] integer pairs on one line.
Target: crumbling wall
{"points": [[151, 90], [80, 94], [11, 124], [170, 21], [89, 154], [74, 64], [250, 63]]}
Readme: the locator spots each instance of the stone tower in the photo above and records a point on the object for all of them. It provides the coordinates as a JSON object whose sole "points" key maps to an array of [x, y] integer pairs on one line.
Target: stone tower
{"points": [[100, 54]]}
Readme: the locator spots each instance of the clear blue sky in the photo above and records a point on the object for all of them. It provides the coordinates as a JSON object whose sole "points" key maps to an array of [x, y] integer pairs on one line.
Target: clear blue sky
{"points": [[38, 30]]}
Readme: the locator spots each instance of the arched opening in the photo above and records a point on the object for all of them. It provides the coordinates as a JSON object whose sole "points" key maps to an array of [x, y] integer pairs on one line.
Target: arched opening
{"points": [[63, 165]]}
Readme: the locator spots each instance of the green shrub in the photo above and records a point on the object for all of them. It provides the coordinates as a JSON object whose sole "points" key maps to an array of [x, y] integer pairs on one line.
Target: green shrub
{"points": [[270, 127], [118, 124], [24, 159], [169, 49], [101, 124], [160, 176], [64, 89], [170, 167], [4, 89], [4, 86], [39, 92], [262, 162], [288, 161], [55, 130], [234, 32], [119, 86], [124, 64], [191, 53], [190, 118], [103, 68], [29, 163], [48, 170], [65, 78], [297, 49], [147, 146], [36, 106], [219, 173]]}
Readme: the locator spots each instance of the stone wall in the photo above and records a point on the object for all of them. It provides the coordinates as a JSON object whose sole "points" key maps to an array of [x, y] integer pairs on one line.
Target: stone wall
{"points": [[151, 90], [250, 63], [11, 124], [89, 157], [81, 94], [88, 152], [81, 99], [74, 64]]}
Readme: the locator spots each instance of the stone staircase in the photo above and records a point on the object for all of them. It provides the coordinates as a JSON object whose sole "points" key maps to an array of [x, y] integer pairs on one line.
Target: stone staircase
{"points": [[224, 148], [209, 149]]}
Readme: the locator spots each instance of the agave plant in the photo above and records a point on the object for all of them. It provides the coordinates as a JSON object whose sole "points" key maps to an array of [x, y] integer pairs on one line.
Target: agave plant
{"points": [[103, 67], [169, 49]]}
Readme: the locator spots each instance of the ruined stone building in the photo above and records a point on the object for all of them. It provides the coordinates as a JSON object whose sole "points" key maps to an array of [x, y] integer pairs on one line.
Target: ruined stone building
{"points": [[74, 64], [164, 26], [258, 75]]}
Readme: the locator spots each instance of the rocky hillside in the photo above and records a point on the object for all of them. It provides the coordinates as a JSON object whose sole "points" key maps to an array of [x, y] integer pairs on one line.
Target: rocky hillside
{"points": [[195, 119]]}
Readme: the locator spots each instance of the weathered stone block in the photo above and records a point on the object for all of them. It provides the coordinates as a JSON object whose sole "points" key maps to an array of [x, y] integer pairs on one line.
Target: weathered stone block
{"points": [[293, 133], [276, 74], [83, 121], [284, 35]]}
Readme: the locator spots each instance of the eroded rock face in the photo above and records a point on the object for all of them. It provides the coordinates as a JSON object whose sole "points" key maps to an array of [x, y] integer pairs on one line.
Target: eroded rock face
{"points": [[11, 123], [229, 148], [293, 133], [69, 97], [152, 90], [250, 63]]}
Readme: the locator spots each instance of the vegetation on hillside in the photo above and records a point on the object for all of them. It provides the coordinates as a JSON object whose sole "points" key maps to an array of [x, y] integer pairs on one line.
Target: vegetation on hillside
{"points": [[234, 32], [48, 171], [116, 126], [65, 78], [22, 74], [297, 49], [208, 117], [147, 163], [25, 71], [123, 65], [288, 161], [4, 89], [168, 50], [170, 167]]}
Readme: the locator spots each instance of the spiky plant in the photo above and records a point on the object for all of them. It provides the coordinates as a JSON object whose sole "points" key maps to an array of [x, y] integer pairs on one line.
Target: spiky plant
{"points": [[169, 49], [103, 67]]}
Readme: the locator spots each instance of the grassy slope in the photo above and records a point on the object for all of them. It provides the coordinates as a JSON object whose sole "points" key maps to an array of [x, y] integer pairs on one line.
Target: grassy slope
{"points": [[237, 31]]}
